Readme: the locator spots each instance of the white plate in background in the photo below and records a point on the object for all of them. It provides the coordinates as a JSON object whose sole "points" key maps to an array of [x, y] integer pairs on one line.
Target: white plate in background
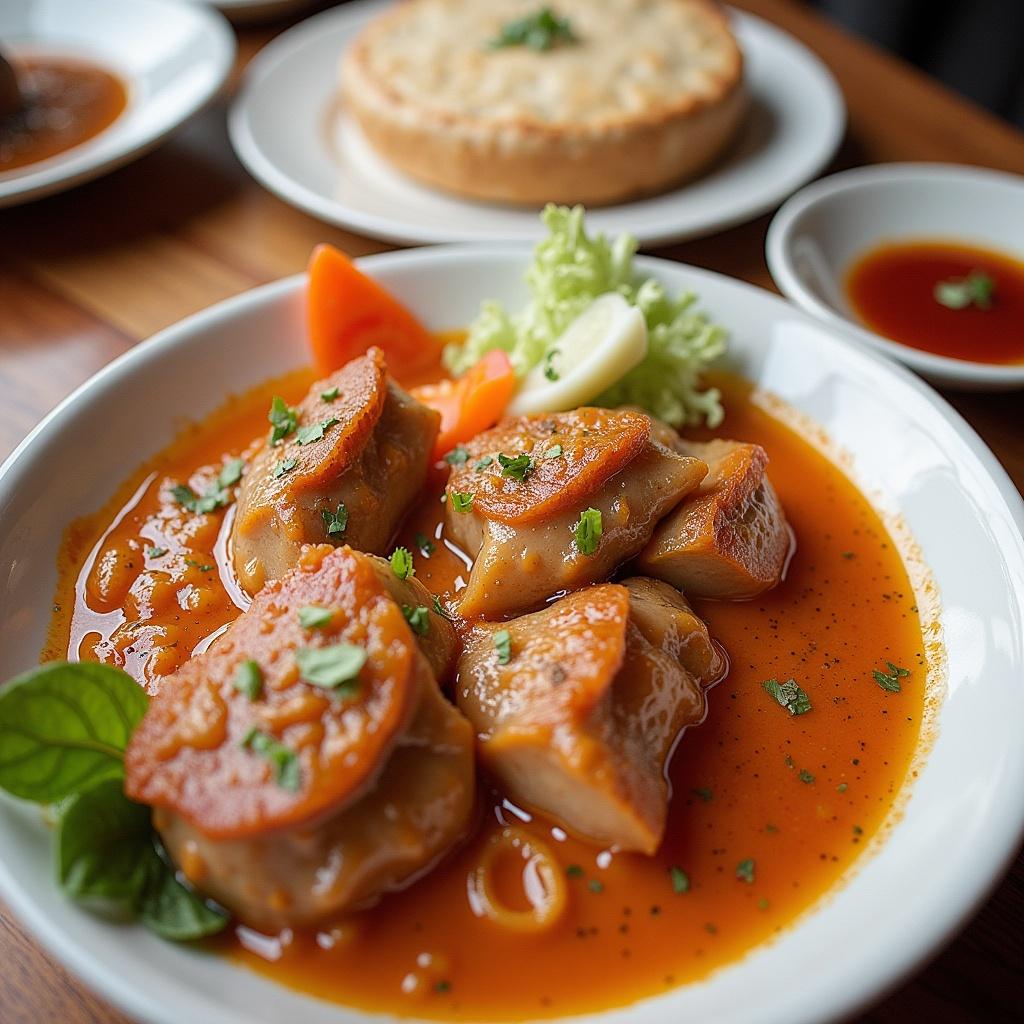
{"points": [[287, 128], [173, 58], [907, 448]]}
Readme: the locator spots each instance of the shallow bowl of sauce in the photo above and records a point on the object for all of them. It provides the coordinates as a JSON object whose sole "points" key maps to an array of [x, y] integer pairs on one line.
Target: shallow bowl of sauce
{"points": [[754, 939], [922, 261]]}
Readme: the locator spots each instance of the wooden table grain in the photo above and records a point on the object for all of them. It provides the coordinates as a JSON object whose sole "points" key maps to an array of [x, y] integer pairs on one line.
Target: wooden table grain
{"points": [[85, 275]]}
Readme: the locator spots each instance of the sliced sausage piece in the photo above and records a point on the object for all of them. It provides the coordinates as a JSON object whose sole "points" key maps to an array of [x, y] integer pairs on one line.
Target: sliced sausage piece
{"points": [[519, 519], [730, 538], [579, 707], [345, 474], [321, 784]]}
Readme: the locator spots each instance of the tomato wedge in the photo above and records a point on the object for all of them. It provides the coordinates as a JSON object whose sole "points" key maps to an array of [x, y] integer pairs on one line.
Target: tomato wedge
{"points": [[472, 402], [348, 312]]}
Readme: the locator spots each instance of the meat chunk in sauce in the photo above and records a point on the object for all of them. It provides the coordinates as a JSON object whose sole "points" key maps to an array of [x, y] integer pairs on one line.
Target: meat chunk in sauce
{"points": [[346, 474], [579, 712], [519, 521], [730, 538], [317, 787]]}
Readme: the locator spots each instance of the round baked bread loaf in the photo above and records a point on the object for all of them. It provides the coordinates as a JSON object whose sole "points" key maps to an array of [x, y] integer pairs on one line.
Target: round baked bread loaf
{"points": [[631, 96]]}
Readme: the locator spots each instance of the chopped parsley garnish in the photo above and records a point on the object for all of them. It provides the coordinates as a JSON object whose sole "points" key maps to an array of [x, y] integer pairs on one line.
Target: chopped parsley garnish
{"points": [[788, 695], [287, 771], [462, 501], [553, 452], [762, 904], [329, 395], [424, 545], [517, 468], [401, 563], [540, 31], [440, 609], [418, 618], [156, 552], [975, 289], [680, 880], [231, 473], [313, 616], [201, 566], [842, 787], [595, 885], [745, 871], [503, 645], [335, 522], [703, 793], [284, 466], [483, 463], [805, 776], [315, 431], [283, 419], [333, 668], [457, 456], [890, 681], [574, 871], [248, 679], [442, 986], [550, 372], [217, 495], [588, 531], [857, 830]]}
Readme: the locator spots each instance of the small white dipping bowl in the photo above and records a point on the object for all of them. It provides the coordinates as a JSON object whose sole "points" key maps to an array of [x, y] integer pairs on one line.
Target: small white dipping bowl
{"points": [[818, 234]]}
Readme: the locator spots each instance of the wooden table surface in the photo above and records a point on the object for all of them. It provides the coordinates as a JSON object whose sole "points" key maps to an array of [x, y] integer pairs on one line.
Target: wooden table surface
{"points": [[85, 275]]}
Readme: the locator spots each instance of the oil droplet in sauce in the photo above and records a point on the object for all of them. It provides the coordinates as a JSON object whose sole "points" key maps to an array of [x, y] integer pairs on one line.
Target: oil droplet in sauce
{"points": [[64, 102], [768, 812], [892, 291]]}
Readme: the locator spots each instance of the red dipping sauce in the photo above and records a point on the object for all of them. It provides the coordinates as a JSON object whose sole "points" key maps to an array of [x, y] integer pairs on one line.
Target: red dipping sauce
{"points": [[893, 292]]}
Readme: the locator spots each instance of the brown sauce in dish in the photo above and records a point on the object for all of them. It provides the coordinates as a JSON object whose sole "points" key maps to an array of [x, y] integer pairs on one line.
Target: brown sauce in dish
{"points": [[64, 103], [769, 810], [892, 291]]}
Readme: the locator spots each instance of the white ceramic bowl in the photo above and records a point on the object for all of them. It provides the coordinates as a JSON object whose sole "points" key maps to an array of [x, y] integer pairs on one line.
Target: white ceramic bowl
{"points": [[906, 446], [818, 233], [173, 57]]}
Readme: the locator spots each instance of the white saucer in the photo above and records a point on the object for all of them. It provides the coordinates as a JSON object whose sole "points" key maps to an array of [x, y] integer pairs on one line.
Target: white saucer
{"points": [[174, 58], [286, 128]]}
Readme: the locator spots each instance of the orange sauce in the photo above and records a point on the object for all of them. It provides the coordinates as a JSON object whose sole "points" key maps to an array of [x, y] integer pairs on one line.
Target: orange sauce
{"points": [[64, 103], [892, 290], [797, 797]]}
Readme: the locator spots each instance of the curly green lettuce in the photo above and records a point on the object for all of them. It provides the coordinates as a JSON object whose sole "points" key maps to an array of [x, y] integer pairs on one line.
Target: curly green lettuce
{"points": [[569, 270]]}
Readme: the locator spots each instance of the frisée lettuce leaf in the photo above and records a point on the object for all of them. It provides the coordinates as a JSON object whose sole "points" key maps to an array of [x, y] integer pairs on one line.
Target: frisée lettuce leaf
{"points": [[569, 270]]}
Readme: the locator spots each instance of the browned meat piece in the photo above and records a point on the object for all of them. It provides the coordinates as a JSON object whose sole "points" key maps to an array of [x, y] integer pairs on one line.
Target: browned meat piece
{"points": [[520, 521], [577, 715], [307, 762], [730, 538], [346, 473]]}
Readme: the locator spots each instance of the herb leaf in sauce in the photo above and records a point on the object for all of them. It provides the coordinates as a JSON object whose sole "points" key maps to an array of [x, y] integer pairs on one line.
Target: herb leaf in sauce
{"points": [[440, 609], [284, 466], [156, 552], [313, 616], [418, 618], [333, 668], [975, 289], [231, 473], [217, 495], [745, 871], [248, 679], [401, 563], [540, 31], [457, 456], [588, 531], [680, 880], [462, 502], [553, 452], [283, 419], [285, 762], [329, 395], [890, 681], [517, 468], [805, 776], [503, 645], [788, 695], [550, 373], [335, 522], [315, 431], [424, 545], [483, 463]]}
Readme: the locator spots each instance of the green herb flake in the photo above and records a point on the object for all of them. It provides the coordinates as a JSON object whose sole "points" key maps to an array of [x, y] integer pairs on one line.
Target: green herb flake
{"points": [[703, 793], [248, 679], [574, 871], [287, 770], [541, 31], [401, 563], [788, 695], [440, 609], [201, 566], [457, 456], [550, 373], [857, 830], [313, 616], [418, 618], [745, 871], [890, 681], [442, 987], [315, 431], [462, 502], [842, 787], [553, 452], [976, 289], [805, 776], [680, 880], [595, 885], [424, 545], [762, 904], [284, 466], [283, 419], [503, 645], [518, 468], [335, 522], [483, 463], [329, 395], [156, 552], [333, 668], [588, 531], [231, 473]]}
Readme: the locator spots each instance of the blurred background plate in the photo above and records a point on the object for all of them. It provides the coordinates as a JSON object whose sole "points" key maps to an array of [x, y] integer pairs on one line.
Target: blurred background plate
{"points": [[288, 129], [172, 57], [244, 11]]}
